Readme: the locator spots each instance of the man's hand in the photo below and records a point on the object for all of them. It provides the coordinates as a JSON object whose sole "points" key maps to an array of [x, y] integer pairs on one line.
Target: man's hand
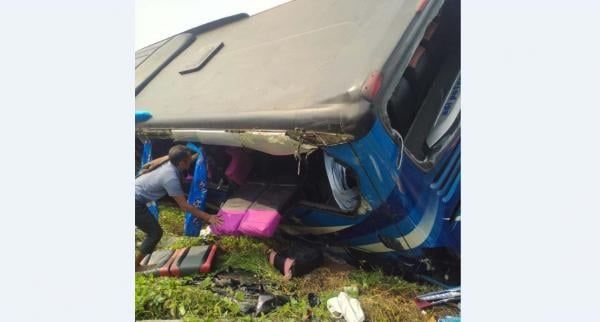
{"points": [[185, 206], [215, 220]]}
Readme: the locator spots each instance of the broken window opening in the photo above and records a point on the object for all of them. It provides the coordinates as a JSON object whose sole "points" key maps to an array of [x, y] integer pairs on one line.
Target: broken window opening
{"points": [[431, 76]]}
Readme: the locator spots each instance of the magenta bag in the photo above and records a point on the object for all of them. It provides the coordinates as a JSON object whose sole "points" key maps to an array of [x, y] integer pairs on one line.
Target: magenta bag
{"points": [[231, 221], [234, 209], [260, 223], [239, 167], [262, 218]]}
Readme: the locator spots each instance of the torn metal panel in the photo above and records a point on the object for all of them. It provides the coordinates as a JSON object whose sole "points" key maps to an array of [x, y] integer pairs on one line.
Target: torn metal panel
{"points": [[270, 142], [275, 143], [319, 138], [144, 134], [214, 137]]}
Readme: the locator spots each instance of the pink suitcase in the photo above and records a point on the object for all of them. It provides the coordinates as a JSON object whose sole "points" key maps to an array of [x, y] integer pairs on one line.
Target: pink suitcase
{"points": [[240, 165], [234, 209], [263, 216]]}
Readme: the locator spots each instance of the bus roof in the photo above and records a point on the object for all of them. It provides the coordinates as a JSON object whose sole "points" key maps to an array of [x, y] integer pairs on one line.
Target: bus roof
{"points": [[300, 65]]}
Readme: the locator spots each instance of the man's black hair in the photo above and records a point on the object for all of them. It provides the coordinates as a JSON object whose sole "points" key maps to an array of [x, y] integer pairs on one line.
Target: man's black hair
{"points": [[178, 153]]}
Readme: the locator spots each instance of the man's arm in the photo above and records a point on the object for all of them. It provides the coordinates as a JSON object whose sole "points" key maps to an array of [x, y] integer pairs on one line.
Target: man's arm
{"points": [[154, 163], [185, 206], [159, 161]]}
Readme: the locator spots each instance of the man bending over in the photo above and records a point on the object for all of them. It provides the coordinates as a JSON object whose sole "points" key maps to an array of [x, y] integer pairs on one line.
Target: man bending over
{"points": [[155, 184]]}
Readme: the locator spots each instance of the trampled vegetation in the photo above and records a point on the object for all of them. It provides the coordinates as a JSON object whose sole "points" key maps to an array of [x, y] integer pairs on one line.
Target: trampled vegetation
{"points": [[382, 297]]}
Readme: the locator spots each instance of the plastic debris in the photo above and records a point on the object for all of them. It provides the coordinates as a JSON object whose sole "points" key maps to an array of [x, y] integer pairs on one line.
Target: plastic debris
{"points": [[197, 194], [313, 299], [205, 232], [257, 296], [438, 298], [142, 116], [433, 296], [267, 303], [345, 307]]}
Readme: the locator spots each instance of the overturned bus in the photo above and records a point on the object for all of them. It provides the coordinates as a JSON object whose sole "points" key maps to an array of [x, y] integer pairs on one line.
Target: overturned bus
{"points": [[355, 103]]}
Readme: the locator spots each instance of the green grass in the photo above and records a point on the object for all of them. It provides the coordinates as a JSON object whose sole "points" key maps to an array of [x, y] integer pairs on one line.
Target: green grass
{"points": [[248, 254], [171, 219], [382, 297], [170, 298], [185, 241]]}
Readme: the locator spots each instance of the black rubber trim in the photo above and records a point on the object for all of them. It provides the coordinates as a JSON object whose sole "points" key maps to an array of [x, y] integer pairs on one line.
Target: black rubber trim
{"points": [[210, 53], [216, 24], [353, 119], [159, 59]]}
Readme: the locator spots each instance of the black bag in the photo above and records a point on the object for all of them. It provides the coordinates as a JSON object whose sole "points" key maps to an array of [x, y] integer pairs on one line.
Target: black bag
{"points": [[296, 260]]}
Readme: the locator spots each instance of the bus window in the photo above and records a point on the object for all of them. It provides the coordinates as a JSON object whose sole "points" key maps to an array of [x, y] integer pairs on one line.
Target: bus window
{"points": [[421, 108]]}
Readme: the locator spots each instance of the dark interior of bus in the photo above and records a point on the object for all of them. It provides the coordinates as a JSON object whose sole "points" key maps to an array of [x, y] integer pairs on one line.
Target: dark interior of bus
{"points": [[308, 174], [427, 81]]}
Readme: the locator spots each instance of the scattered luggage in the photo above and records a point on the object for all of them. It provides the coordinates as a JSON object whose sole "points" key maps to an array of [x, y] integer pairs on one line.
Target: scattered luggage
{"points": [[207, 265], [164, 270], [180, 262], [174, 269], [155, 261], [193, 260], [254, 210], [233, 210], [263, 216], [295, 261]]}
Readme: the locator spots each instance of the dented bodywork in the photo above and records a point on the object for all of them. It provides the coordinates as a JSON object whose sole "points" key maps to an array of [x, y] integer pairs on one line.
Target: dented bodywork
{"points": [[271, 142], [298, 67], [313, 77]]}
